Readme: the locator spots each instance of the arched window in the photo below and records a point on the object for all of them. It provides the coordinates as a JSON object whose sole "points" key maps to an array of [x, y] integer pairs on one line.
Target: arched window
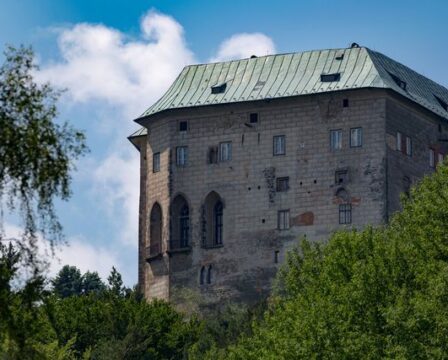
{"points": [[209, 275], [218, 223], [155, 230], [180, 223], [202, 276], [212, 221]]}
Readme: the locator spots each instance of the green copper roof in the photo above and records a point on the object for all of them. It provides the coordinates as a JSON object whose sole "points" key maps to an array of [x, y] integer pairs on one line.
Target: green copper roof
{"points": [[284, 75]]}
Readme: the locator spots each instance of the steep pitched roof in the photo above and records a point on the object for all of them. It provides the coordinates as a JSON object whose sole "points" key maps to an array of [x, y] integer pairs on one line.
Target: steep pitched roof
{"points": [[295, 74]]}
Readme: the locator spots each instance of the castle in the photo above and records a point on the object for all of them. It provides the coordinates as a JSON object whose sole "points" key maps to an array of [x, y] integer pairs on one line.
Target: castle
{"points": [[240, 159]]}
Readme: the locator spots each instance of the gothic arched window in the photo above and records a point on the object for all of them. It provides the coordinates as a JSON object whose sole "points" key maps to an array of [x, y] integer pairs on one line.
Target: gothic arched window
{"points": [[218, 224], [179, 223], [212, 221], [155, 230]]}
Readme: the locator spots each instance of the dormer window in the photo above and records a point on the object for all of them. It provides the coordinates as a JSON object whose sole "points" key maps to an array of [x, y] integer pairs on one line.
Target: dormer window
{"points": [[330, 77], [219, 89], [402, 84], [442, 103]]}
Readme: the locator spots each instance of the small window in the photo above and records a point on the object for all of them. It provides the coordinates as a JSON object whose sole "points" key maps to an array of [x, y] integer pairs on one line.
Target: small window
{"points": [[345, 103], [225, 151], [253, 118], [341, 176], [181, 155], [276, 256], [336, 139], [330, 77], [345, 214], [402, 84], [432, 158], [283, 220], [202, 276], [282, 184], [183, 126], [156, 162], [209, 275], [219, 89], [212, 155], [399, 140], [279, 143], [356, 137], [408, 146]]}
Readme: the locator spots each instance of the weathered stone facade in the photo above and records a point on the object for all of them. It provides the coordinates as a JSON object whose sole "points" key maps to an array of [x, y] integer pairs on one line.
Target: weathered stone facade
{"points": [[252, 248], [241, 159]]}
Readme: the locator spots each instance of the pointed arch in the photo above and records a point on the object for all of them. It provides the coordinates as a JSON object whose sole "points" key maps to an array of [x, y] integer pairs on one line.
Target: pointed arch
{"points": [[155, 229], [180, 223], [213, 220]]}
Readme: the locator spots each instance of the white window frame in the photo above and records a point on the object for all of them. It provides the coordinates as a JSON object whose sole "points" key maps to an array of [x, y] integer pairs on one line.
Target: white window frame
{"points": [[336, 139], [181, 155], [356, 137], [279, 145], [225, 151], [283, 219]]}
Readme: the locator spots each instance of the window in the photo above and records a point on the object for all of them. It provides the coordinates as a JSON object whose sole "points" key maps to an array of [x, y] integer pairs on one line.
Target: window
{"points": [[398, 142], [179, 223], [183, 126], [202, 276], [209, 275], [341, 176], [330, 77], [218, 222], [279, 145], [345, 214], [219, 88], [181, 155], [282, 184], [212, 155], [336, 139], [156, 162], [439, 158], [356, 137], [432, 158], [253, 118], [225, 151], [155, 230], [408, 146], [283, 220], [345, 103], [184, 223], [276, 253]]}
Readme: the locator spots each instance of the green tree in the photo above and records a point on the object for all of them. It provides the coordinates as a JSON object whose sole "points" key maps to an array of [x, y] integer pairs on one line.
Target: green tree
{"points": [[376, 293], [116, 283], [92, 283], [68, 282]]}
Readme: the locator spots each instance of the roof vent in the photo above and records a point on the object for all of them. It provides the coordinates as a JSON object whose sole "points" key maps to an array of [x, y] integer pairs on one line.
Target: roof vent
{"points": [[253, 56], [330, 77], [354, 45], [442, 103], [402, 84], [219, 89], [339, 56]]}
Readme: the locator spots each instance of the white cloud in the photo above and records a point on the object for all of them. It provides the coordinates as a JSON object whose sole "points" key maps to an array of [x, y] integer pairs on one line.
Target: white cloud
{"points": [[244, 45]]}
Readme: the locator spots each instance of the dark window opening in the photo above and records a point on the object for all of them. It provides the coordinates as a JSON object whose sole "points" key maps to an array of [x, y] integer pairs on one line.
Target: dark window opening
{"points": [[402, 84], [184, 224], [213, 221], [212, 156], [156, 162], [155, 230], [202, 276], [276, 253], [345, 103], [179, 223], [209, 275], [253, 118], [330, 77], [219, 89], [442, 103], [341, 176], [345, 214], [183, 126], [218, 213], [282, 184]]}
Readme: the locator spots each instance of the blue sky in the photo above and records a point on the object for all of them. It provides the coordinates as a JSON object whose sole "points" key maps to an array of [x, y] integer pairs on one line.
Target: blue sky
{"points": [[117, 57]]}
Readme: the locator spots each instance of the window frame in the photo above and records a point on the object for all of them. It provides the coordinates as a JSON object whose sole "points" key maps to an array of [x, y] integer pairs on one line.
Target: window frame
{"points": [[274, 143], [280, 180], [156, 164], [332, 143], [408, 146], [345, 210], [360, 139], [181, 122], [185, 156], [286, 217], [398, 141], [229, 151]]}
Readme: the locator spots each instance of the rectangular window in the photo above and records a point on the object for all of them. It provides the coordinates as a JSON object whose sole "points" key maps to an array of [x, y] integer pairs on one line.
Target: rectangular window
{"points": [[212, 155], [283, 220], [399, 140], [356, 137], [279, 143], [341, 176], [225, 151], [156, 162], [336, 139], [282, 184], [408, 146], [432, 158], [183, 126], [253, 118], [181, 155], [345, 214]]}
